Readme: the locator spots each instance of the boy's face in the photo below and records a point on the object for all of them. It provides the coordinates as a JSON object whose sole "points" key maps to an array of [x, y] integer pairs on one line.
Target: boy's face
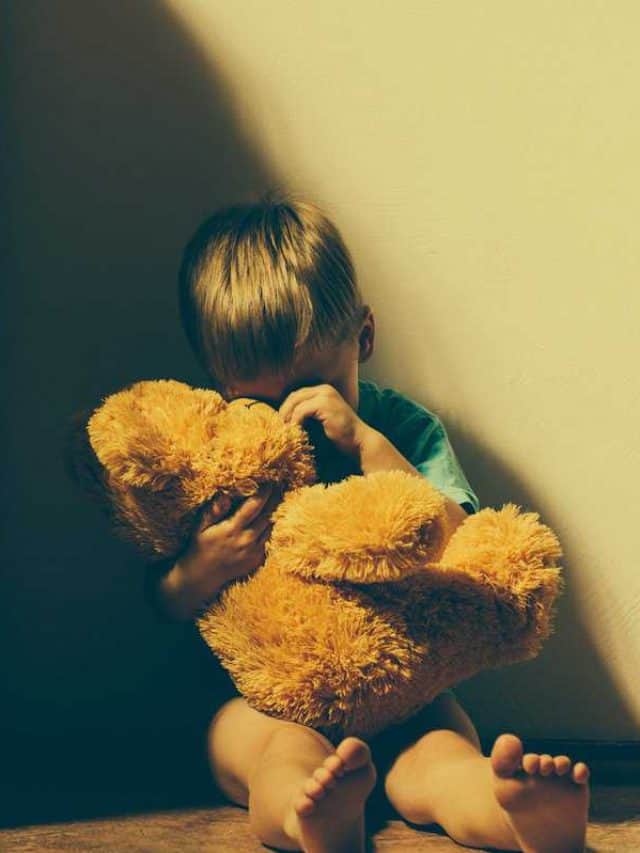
{"points": [[336, 366]]}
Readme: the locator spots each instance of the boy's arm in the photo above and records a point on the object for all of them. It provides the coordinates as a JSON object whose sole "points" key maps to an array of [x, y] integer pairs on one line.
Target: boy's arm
{"points": [[173, 596], [165, 593], [181, 600], [377, 453]]}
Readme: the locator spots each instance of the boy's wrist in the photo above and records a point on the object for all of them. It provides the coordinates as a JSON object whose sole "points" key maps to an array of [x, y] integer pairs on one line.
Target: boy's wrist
{"points": [[182, 596], [373, 448], [172, 593], [366, 438], [377, 453]]}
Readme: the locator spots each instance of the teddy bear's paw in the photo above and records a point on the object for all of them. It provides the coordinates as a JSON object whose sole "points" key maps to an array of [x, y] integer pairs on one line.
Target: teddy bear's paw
{"points": [[366, 529], [514, 556], [507, 538]]}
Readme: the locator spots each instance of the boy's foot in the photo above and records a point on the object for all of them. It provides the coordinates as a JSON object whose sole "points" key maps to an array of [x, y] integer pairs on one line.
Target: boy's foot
{"points": [[545, 799], [327, 813]]}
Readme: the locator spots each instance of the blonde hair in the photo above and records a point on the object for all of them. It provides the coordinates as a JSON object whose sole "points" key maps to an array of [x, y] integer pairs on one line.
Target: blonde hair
{"points": [[264, 283]]}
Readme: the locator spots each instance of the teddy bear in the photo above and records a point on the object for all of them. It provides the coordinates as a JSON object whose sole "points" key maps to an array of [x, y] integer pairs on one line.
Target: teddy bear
{"points": [[367, 604]]}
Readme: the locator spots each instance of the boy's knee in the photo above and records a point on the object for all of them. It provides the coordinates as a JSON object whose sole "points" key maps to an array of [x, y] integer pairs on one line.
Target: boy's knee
{"points": [[433, 751], [293, 738], [415, 781]]}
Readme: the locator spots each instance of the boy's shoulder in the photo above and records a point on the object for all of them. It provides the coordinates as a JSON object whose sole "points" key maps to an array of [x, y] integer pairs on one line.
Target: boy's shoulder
{"points": [[384, 408]]}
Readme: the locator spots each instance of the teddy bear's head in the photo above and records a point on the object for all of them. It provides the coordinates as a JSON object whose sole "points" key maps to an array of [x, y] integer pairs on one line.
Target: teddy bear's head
{"points": [[166, 449]]}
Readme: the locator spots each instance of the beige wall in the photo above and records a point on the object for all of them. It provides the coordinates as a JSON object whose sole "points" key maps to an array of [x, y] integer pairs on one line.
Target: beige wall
{"points": [[482, 161]]}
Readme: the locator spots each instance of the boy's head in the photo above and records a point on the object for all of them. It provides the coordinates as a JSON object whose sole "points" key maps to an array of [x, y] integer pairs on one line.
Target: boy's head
{"points": [[270, 302]]}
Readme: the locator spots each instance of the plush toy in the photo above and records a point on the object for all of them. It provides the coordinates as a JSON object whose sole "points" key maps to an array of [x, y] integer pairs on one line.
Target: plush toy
{"points": [[366, 606]]}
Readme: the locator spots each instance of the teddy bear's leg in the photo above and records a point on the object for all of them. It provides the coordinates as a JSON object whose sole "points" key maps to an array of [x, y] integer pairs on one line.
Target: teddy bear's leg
{"points": [[315, 654]]}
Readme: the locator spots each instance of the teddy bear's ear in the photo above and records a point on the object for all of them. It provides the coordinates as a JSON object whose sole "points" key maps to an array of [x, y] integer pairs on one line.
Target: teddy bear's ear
{"points": [[146, 436]]}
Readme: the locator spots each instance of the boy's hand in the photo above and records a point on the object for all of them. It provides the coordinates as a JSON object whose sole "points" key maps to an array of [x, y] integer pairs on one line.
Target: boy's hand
{"points": [[232, 538], [340, 423], [228, 543]]}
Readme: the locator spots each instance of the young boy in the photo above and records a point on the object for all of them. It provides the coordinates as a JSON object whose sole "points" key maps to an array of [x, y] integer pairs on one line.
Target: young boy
{"points": [[270, 304]]}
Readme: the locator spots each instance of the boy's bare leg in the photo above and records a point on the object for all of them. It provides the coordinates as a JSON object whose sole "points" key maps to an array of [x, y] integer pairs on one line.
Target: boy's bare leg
{"points": [[536, 804], [302, 794]]}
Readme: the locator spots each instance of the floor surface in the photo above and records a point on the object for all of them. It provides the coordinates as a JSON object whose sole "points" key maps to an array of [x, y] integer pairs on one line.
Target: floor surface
{"points": [[614, 827]]}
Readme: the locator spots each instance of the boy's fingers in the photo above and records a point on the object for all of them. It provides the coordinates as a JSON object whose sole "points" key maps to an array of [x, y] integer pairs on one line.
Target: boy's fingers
{"points": [[264, 516], [205, 519], [251, 507], [221, 506], [214, 511], [264, 535]]}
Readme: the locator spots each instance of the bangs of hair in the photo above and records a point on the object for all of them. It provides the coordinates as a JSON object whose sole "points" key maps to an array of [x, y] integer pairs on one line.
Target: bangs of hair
{"points": [[264, 285]]}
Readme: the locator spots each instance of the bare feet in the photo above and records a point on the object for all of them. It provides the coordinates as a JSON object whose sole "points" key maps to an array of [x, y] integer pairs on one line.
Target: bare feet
{"points": [[545, 799], [327, 814]]}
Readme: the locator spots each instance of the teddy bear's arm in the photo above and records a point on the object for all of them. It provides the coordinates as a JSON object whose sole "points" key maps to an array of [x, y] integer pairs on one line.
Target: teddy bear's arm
{"points": [[366, 529]]}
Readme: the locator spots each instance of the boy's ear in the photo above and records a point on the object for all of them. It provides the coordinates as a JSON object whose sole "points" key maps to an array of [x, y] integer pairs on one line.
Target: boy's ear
{"points": [[366, 337]]}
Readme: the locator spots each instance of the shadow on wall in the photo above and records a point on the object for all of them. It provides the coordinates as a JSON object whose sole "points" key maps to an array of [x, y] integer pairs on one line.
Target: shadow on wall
{"points": [[569, 680], [570, 672], [120, 138]]}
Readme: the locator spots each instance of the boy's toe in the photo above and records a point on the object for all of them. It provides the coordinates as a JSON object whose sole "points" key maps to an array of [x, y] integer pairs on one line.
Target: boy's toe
{"points": [[313, 789], [546, 765], [531, 762], [581, 773], [562, 764], [325, 777], [354, 753], [304, 805], [506, 755], [334, 764]]}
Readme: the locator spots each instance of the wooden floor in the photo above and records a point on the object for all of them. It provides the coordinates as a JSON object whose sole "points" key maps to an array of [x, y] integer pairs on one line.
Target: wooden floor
{"points": [[614, 827]]}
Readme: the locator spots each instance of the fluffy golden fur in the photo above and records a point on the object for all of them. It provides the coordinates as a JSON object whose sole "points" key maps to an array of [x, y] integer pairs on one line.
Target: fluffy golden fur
{"points": [[366, 607]]}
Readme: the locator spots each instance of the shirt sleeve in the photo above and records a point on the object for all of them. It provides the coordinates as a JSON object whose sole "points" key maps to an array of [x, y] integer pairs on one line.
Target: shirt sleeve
{"points": [[422, 439]]}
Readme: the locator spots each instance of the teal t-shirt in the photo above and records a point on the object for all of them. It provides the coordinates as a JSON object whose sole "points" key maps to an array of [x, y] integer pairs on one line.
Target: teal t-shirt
{"points": [[421, 438]]}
